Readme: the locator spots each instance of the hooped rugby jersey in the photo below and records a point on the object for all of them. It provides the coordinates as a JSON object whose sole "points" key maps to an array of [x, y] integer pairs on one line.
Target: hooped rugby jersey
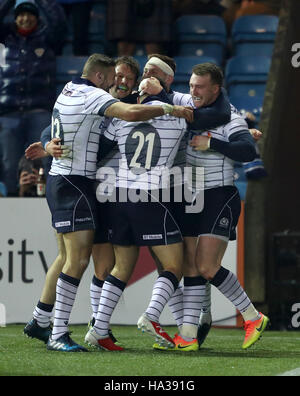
{"points": [[148, 150], [76, 118], [218, 169]]}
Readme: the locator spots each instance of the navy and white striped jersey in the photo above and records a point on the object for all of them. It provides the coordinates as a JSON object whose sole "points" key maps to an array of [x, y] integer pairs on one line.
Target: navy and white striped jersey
{"points": [[76, 118], [181, 99], [147, 150], [218, 169]]}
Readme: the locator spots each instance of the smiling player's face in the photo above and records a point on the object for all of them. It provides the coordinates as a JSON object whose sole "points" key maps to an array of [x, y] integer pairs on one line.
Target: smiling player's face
{"points": [[125, 81], [203, 90]]}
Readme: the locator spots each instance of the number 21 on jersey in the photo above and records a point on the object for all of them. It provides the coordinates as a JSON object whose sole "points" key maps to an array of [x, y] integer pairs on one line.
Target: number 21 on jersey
{"points": [[143, 147]]}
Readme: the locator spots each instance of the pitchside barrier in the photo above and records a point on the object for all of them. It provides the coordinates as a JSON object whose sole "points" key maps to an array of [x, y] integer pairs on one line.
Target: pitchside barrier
{"points": [[28, 247]]}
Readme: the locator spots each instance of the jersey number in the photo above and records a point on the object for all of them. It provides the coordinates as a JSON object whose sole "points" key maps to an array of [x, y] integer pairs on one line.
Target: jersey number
{"points": [[56, 128], [149, 139], [142, 148]]}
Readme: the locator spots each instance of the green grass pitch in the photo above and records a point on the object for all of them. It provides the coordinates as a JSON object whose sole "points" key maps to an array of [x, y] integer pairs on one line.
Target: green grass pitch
{"points": [[220, 355]]}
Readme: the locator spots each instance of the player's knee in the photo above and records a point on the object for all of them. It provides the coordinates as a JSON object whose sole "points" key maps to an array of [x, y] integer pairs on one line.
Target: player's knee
{"points": [[83, 264], [207, 272]]}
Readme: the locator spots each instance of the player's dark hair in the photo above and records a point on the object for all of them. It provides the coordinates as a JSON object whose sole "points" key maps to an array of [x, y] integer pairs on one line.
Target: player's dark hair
{"points": [[169, 61], [132, 63], [215, 72]]}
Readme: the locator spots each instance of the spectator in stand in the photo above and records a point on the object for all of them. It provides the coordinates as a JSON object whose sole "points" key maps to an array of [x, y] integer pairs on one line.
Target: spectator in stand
{"points": [[132, 22], [240, 8], [28, 176], [79, 11], [190, 7], [27, 86]]}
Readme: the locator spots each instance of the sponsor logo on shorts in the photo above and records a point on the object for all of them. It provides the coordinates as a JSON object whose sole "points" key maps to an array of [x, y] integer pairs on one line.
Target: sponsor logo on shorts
{"points": [[224, 222], [82, 220], [62, 224], [153, 236]]}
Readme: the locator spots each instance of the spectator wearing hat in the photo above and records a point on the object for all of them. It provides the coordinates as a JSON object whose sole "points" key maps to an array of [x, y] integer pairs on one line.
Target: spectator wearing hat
{"points": [[27, 86]]}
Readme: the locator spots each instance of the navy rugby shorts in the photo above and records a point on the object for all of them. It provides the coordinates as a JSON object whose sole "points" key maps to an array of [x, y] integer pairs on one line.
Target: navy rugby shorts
{"points": [[219, 217], [149, 223], [72, 202]]}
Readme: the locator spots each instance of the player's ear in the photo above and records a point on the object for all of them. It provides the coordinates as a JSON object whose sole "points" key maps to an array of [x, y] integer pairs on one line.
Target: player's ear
{"points": [[169, 80], [216, 88], [100, 77]]}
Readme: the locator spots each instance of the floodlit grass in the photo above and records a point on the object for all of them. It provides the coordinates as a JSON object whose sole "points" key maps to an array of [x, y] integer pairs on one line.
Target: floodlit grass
{"points": [[220, 355]]}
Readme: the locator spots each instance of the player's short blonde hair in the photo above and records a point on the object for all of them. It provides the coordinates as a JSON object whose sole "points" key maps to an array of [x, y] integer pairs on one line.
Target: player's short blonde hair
{"points": [[97, 62]]}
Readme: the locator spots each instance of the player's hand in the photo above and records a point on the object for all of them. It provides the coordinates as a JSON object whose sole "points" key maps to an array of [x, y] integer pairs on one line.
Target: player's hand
{"points": [[56, 150], [35, 151], [184, 112], [200, 142], [256, 134], [150, 86]]}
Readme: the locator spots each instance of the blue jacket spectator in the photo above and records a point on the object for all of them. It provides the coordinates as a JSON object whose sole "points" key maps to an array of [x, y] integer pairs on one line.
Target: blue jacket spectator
{"points": [[27, 84]]}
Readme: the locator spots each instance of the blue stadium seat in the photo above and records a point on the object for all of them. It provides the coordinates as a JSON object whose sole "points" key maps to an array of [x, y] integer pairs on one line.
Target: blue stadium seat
{"points": [[258, 31], [202, 49], [254, 49], [247, 69], [247, 75], [245, 103], [197, 28], [247, 89], [185, 64], [201, 35], [68, 67], [254, 28]]}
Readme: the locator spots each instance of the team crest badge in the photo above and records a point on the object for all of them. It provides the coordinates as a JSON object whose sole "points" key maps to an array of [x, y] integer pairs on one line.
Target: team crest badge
{"points": [[224, 222], [39, 52]]}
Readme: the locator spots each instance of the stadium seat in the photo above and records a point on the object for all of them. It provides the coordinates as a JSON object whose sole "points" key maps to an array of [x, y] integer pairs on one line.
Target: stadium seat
{"points": [[254, 49], [247, 103], [247, 75], [68, 67], [254, 29], [203, 49], [247, 89], [201, 35], [247, 69], [185, 64]]}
